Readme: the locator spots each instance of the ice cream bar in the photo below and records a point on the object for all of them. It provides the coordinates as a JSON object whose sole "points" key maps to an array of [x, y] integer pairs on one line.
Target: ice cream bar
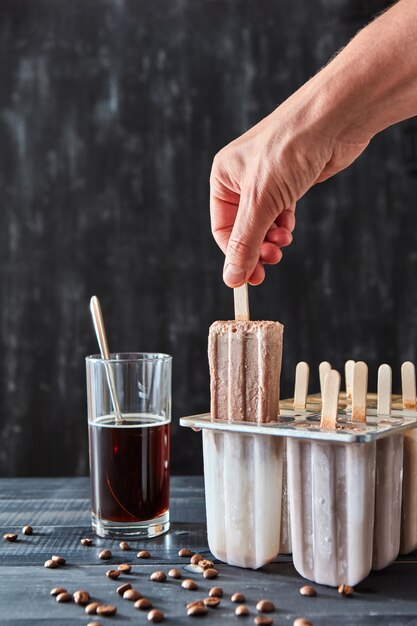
{"points": [[409, 503], [388, 485], [245, 367], [331, 501]]}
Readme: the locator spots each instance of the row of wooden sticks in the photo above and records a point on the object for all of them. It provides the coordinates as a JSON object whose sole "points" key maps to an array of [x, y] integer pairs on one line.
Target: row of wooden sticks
{"points": [[356, 379]]}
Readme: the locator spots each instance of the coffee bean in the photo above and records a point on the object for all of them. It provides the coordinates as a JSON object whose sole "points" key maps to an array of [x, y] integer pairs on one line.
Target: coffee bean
{"points": [[156, 616], [216, 592], [59, 559], [194, 569], [211, 602], [123, 545], [143, 554], [64, 597], [85, 541], [27, 530], [195, 603], [51, 564], [190, 584], [265, 606], [106, 610], [57, 590], [105, 555], [185, 552], [91, 609], [238, 597], [132, 595], [301, 621], [197, 609], [10, 537], [113, 574], [93, 624], [124, 568], [263, 621], [205, 564], [120, 590], [174, 573], [308, 590], [196, 558], [346, 590], [210, 573], [242, 610], [143, 604], [81, 597], [158, 577]]}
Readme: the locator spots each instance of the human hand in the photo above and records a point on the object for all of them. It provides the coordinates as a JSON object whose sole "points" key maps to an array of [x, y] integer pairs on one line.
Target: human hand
{"points": [[257, 179]]}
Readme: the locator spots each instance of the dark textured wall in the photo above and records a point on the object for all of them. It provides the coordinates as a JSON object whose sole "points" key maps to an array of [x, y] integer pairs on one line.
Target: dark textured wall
{"points": [[110, 114]]}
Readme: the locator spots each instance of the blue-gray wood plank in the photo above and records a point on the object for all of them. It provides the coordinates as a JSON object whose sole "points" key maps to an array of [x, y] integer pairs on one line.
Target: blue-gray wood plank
{"points": [[58, 510]]}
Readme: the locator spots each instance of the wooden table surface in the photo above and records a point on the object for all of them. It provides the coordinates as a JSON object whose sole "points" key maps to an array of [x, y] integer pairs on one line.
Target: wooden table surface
{"points": [[58, 510]]}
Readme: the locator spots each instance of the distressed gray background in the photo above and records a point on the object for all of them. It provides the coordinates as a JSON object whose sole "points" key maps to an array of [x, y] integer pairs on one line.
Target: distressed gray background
{"points": [[110, 114]]}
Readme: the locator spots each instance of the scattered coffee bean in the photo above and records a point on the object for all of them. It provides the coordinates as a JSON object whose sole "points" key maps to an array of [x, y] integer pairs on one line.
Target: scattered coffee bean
{"points": [[174, 573], [59, 559], [265, 606], [210, 573], [346, 590], [263, 621], [301, 621], [308, 590], [51, 564], [156, 616], [132, 595], [211, 602], [10, 537], [197, 609], [123, 545], [57, 590], [196, 558], [91, 609], [27, 530], [64, 597], [124, 568], [242, 610], [158, 577], [205, 564], [143, 554], [143, 604], [190, 584], [120, 590], [216, 592], [86, 541], [238, 597], [113, 573], [105, 555], [185, 552], [195, 603], [93, 624], [81, 597], [106, 610], [194, 569]]}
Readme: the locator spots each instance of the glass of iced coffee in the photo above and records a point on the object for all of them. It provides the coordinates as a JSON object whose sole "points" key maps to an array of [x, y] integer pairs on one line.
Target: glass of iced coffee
{"points": [[129, 415]]}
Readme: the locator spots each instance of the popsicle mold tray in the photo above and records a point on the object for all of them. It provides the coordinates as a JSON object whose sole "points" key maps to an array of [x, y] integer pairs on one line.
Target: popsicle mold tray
{"points": [[343, 516]]}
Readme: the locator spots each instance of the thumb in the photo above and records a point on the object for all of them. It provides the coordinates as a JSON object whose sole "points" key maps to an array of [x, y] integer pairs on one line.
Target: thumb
{"points": [[244, 246]]}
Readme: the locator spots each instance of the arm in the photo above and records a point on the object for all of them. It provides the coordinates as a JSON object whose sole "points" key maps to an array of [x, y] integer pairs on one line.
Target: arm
{"points": [[320, 130]]}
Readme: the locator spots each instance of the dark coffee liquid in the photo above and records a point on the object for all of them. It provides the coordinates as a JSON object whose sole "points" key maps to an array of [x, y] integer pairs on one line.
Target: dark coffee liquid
{"points": [[129, 466]]}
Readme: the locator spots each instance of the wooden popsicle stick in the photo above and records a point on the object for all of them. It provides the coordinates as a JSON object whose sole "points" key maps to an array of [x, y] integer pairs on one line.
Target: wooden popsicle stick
{"points": [[241, 303], [301, 385], [359, 391], [324, 369], [330, 402], [408, 380], [384, 390], [349, 365]]}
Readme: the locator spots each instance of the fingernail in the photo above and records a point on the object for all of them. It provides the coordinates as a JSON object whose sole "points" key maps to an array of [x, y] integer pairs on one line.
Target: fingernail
{"points": [[233, 275]]}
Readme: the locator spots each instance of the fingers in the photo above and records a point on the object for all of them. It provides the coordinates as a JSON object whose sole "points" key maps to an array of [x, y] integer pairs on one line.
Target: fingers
{"points": [[270, 253]]}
